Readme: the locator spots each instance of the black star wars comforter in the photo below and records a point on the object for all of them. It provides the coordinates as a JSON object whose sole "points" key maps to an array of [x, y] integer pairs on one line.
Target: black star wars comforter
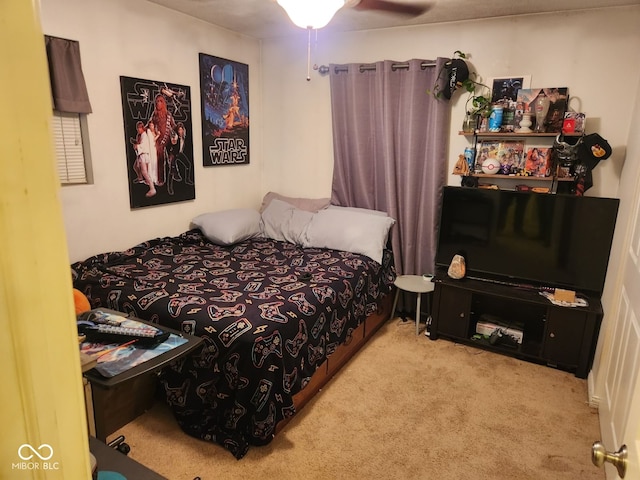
{"points": [[270, 313]]}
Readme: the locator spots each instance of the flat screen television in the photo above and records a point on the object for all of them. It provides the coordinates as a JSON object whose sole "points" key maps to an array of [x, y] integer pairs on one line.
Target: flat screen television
{"points": [[542, 240]]}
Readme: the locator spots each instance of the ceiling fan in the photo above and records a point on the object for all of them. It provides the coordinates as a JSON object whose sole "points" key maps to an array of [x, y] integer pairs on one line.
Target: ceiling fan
{"points": [[314, 14], [409, 9]]}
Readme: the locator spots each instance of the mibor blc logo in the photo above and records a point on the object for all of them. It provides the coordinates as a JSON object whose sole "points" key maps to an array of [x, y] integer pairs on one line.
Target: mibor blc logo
{"points": [[35, 458]]}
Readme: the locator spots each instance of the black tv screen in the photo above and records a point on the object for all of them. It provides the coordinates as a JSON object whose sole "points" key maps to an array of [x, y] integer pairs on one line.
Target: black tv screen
{"points": [[540, 239]]}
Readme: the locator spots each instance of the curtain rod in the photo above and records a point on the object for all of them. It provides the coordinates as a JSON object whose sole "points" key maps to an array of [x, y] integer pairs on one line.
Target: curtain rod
{"points": [[324, 69]]}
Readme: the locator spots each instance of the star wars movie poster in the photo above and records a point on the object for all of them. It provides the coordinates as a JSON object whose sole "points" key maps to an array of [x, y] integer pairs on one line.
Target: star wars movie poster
{"points": [[158, 137], [224, 87]]}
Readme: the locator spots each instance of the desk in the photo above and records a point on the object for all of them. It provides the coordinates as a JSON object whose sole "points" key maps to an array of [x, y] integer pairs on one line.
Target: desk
{"points": [[417, 284], [114, 402]]}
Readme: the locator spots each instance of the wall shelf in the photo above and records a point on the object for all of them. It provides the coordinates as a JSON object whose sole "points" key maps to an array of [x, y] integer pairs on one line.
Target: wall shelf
{"points": [[476, 137], [515, 134], [520, 177]]}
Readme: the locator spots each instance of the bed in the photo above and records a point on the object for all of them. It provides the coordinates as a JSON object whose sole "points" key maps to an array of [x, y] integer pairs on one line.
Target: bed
{"points": [[278, 317]]}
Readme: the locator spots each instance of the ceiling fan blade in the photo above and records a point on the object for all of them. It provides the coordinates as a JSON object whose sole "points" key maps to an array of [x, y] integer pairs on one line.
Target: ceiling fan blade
{"points": [[413, 10]]}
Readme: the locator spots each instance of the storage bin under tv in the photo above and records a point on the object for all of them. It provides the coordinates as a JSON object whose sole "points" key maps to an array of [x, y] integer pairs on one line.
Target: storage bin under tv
{"points": [[560, 337]]}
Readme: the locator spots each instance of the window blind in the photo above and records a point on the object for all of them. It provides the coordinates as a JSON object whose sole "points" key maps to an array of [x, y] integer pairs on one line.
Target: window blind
{"points": [[69, 148]]}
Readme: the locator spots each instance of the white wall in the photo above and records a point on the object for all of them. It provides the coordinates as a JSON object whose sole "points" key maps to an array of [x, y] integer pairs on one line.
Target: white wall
{"points": [[585, 51], [143, 40], [291, 140]]}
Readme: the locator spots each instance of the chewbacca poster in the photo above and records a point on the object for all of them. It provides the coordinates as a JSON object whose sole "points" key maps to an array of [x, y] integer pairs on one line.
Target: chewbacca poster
{"points": [[158, 138], [224, 86]]}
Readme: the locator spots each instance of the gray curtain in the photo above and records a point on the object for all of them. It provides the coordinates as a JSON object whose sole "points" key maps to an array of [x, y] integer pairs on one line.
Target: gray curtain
{"points": [[390, 138], [68, 89]]}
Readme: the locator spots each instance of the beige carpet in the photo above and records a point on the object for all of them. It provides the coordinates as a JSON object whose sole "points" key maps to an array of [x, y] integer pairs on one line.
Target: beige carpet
{"points": [[406, 408]]}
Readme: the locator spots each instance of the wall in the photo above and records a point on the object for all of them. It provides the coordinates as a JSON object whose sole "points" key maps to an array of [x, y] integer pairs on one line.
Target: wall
{"points": [[292, 152], [143, 40], [585, 51]]}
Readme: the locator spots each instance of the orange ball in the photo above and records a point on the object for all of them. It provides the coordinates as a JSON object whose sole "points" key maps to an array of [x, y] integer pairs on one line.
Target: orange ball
{"points": [[81, 302]]}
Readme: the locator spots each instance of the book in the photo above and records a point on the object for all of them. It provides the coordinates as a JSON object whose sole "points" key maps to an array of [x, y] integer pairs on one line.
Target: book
{"points": [[559, 101], [486, 149], [538, 161], [573, 122], [511, 157]]}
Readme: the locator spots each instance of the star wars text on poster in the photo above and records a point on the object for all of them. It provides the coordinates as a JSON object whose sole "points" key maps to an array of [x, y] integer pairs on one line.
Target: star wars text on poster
{"points": [[227, 151], [140, 101]]}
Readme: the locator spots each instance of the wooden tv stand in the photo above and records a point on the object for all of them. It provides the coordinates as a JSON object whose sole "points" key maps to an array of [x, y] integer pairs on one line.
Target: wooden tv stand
{"points": [[560, 337]]}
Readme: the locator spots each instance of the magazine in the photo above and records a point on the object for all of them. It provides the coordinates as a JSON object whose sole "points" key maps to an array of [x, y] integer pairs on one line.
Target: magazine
{"points": [[115, 358], [486, 149], [573, 122], [511, 157], [538, 162]]}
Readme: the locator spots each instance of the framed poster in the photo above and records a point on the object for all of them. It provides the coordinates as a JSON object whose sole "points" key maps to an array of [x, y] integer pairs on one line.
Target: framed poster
{"points": [[224, 92], [157, 134], [506, 88]]}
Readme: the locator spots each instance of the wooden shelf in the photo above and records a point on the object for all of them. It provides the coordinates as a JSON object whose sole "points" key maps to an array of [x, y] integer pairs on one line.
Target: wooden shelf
{"points": [[515, 134], [519, 177], [545, 137]]}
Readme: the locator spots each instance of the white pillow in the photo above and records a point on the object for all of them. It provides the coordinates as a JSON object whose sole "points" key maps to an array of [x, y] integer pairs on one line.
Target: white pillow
{"points": [[282, 221], [229, 226], [350, 231]]}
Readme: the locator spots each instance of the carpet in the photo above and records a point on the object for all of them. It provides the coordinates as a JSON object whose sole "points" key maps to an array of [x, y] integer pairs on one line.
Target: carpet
{"points": [[405, 407]]}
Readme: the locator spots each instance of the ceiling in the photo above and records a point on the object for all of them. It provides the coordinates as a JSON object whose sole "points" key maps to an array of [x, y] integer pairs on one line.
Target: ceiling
{"points": [[264, 19]]}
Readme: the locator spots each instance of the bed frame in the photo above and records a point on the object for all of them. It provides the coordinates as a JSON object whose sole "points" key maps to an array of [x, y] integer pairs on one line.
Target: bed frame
{"points": [[341, 356]]}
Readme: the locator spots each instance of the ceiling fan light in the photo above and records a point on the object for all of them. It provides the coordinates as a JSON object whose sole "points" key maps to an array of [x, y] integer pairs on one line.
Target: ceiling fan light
{"points": [[311, 13]]}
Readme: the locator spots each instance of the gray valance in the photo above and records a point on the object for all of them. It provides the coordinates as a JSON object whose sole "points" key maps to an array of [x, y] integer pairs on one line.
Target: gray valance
{"points": [[68, 89]]}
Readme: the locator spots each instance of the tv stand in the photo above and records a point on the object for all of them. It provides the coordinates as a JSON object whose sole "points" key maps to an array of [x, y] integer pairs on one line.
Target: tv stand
{"points": [[560, 337], [526, 286]]}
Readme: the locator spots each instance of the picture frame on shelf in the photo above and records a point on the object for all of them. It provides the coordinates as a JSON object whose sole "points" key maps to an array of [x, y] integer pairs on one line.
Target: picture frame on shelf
{"points": [[511, 156], [486, 149], [504, 90], [558, 102], [507, 87], [573, 122], [538, 161]]}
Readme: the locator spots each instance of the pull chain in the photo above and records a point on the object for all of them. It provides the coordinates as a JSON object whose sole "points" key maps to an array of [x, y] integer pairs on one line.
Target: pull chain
{"points": [[309, 54]]}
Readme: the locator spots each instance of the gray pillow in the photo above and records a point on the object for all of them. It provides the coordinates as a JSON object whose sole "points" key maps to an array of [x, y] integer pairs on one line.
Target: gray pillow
{"points": [[308, 204], [350, 230], [229, 226], [282, 221]]}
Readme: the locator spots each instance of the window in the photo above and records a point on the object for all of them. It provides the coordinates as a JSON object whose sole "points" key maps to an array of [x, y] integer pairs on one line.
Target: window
{"points": [[71, 106], [72, 149]]}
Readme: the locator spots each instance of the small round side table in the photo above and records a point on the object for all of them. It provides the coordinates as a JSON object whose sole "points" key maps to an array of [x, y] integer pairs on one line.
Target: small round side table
{"points": [[417, 284]]}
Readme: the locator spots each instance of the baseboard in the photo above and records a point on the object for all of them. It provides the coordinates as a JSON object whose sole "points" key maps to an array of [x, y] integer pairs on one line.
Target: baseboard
{"points": [[594, 400]]}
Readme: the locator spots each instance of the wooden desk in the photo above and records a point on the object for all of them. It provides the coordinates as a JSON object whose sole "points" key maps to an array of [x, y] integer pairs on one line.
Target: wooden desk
{"points": [[114, 402]]}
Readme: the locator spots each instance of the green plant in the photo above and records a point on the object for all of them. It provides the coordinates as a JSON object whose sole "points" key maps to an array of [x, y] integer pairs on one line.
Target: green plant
{"points": [[479, 100]]}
